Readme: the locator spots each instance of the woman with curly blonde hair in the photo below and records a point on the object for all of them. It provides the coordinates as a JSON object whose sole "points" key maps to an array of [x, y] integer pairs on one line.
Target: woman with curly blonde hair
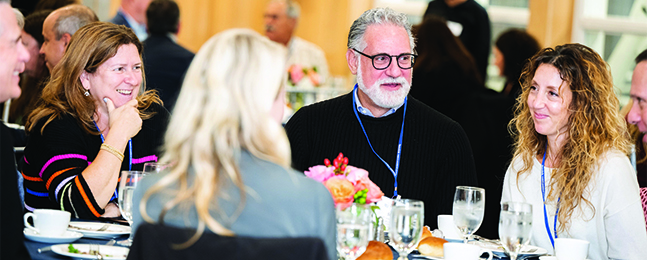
{"points": [[230, 171], [571, 159]]}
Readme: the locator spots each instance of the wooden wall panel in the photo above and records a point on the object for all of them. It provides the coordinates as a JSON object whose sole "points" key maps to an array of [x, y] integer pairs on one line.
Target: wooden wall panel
{"points": [[551, 21]]}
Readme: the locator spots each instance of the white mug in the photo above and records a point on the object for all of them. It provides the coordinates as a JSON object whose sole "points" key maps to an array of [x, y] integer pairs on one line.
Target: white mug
{"points": [[48, 222], [449, 229], [571, 249], [461, 251]]}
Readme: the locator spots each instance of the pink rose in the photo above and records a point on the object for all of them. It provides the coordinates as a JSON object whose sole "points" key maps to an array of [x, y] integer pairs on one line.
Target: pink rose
{"points": [[374, 193], [341, 189], [355, 174], [296, 73], [320, 173], [314, 77]]}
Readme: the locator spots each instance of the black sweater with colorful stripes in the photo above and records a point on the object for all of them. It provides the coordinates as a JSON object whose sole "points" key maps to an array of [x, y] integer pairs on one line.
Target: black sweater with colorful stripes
{"points": [[54, 161], [436, 155]]}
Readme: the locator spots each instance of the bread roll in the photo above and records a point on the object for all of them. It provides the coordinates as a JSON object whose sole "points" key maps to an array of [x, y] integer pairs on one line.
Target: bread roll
{"points": [[431, 246], [425, 232], [376, 251]]}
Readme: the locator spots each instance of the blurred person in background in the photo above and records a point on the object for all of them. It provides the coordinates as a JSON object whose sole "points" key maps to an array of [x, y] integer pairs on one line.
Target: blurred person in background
{"points": [[445, 71], [58, 28], [281, 18], [512, 49], [469, 21], [132, 14], [164, 59], [230, 158], [36, 73]]}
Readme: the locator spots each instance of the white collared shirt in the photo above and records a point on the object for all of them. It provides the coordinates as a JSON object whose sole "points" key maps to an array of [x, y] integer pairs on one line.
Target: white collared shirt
{"points": [[366, 112], [139, 29]]}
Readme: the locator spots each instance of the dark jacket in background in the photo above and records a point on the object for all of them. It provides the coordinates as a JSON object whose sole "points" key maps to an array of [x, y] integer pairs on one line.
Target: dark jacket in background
{"points": [[476, 35], [12, 240], [165, 63]]}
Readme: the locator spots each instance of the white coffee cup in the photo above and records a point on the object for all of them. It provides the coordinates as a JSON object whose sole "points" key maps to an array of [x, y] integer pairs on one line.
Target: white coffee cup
{"points": [[447, 226], [461, 251], [571, 249], [48, 222]]}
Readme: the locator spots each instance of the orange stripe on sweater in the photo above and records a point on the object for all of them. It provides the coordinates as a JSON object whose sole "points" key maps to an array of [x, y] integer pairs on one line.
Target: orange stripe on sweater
{"points": [[29, 178], [56, 174], [85, 197]]}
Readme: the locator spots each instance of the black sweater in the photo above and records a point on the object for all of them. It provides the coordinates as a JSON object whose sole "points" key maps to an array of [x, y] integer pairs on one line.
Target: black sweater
{"points": [[55, 159], [435, 158], [12, 244]]}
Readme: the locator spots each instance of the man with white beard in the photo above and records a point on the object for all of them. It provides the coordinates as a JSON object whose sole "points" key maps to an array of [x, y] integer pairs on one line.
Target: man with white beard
{"points": [[379, 128]]}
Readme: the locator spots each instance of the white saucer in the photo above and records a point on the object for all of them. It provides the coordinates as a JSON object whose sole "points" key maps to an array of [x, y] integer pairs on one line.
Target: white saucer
{"points": [[67, 237]]}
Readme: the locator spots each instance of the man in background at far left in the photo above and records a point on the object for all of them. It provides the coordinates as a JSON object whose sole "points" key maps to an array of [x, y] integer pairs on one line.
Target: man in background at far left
{"points": [[13, 55]]}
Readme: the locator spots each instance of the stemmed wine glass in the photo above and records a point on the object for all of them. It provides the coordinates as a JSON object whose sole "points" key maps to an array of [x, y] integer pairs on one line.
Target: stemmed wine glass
{"points": [[154, 167], [469, 206], [405, 228], [515, 227], [352, 230], [127, 185]]}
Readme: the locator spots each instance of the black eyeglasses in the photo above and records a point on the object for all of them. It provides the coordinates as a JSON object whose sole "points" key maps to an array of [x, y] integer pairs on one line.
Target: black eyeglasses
{"points": [[382, 61]]}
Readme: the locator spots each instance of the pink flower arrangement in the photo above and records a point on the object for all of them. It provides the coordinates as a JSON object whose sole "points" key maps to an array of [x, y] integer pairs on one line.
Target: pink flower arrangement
{"points": [[296, 73], [347, 184]]}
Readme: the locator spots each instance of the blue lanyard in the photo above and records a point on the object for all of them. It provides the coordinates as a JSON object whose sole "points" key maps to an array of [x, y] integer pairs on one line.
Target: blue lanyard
{"points": [[397, 158], [130, 155], [543, 197]]}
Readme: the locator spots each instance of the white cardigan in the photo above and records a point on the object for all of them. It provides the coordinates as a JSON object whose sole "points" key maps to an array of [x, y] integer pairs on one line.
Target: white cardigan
{"points": [[616, 231]]}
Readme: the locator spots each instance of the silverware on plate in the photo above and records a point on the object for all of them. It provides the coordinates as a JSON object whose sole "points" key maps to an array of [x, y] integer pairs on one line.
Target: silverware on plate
{"points": [[102, 228]]}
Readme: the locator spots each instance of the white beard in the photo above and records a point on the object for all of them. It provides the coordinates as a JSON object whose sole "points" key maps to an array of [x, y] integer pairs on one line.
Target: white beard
{"points": [[381, 98]]}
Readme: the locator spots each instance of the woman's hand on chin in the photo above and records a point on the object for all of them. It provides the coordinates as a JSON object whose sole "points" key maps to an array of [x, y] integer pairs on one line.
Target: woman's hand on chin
{"points": [[124, 119]]}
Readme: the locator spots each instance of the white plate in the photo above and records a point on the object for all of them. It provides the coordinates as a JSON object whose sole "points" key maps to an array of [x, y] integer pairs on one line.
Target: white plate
{"points": [[108, 252], [89, 229], [526, 251], [69, 236]]}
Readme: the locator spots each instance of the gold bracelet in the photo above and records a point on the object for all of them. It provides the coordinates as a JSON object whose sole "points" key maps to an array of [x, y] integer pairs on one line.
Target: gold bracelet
{"points": [[113, 151]]}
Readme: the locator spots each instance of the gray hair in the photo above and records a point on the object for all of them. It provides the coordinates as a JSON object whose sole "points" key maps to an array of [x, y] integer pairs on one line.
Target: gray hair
{"points": [[380, 16], [72, 18], [292, 8], [5, 1], [19, 17]]}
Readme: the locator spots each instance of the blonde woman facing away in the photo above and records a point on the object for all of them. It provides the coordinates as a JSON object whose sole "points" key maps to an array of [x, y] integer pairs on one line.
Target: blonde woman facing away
{"points": [[230, 155], [571, 145]]}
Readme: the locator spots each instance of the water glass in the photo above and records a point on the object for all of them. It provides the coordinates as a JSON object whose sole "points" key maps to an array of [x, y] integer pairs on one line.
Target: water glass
{"points": [[154, 167], [127, 185], [353, 230], [469, 206], [515, 227], [406, 224]]}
